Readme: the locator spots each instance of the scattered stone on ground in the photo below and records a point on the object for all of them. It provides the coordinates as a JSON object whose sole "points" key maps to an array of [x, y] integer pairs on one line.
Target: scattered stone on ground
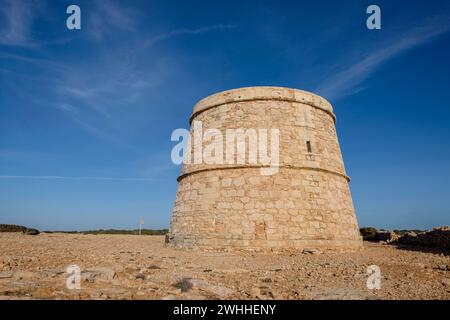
{"points": [[310, 251], [438, 237], [31, 232], [387, 236], [6, 275], [142, 267]]}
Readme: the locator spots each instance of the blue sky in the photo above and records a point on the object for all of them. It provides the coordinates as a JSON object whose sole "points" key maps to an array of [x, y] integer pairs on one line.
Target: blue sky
{"points": [[86, 115]]}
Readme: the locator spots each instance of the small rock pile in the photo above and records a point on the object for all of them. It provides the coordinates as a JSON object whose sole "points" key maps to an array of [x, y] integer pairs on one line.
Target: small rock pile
{"points": [[387, 236], [438, 237], [31, 232], [373, 234]]}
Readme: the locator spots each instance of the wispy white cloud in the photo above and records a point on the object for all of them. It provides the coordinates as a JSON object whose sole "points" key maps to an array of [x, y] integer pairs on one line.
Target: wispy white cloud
{"points": [[186, 31], [96, 93], [66, 107], [351, 80], [36, 61], [107, 18], [76, 178], [16, 19], [96, 100]]}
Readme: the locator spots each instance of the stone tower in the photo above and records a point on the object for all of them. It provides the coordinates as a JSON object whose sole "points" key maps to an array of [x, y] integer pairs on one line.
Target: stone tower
{"points": [[306, 203]]}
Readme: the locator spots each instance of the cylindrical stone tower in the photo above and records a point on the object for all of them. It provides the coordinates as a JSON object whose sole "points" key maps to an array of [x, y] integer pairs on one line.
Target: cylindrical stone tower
{"points": [[306, 202]]}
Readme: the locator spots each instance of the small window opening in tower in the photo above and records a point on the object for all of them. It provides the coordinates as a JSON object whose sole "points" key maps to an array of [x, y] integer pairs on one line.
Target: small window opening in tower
{"points": [[308, 146]]}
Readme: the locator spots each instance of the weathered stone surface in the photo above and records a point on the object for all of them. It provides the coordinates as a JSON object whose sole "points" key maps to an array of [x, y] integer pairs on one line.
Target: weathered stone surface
{"points": [[310, 251], [98, 273], [307, 204], [387, 236], [52, 273], [31, 232], [263, 293], [219, 291], [443, 267], [6, 274], [438, 237], [345, 294], [38, 270], [140, 276]]}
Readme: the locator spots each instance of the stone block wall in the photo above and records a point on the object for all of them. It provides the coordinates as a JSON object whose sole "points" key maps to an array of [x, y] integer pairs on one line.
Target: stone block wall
{"points": [[306, 204]]}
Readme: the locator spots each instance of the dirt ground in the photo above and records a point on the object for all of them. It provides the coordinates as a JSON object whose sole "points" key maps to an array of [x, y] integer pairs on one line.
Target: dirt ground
{"points": [[142, 267]]}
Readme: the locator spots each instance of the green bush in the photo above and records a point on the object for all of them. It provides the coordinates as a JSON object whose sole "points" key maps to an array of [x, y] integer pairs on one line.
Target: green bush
{"points": [[147, 232], [369, 233], [12, 228]]}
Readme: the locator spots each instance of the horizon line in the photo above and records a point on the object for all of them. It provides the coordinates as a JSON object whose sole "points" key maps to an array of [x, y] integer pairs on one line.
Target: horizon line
{"points": [[76, 178]]}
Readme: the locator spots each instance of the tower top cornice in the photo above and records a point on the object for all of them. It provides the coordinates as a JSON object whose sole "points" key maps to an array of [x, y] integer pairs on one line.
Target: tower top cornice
{"points": [[259, 93]]}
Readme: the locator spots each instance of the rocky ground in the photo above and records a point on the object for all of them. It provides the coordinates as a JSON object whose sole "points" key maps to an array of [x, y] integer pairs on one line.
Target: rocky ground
{"points": [[141, 267]]}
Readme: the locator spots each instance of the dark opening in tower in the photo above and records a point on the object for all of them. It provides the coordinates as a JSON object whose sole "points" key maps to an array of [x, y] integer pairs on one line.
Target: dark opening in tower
{"points": [[308, 146]]}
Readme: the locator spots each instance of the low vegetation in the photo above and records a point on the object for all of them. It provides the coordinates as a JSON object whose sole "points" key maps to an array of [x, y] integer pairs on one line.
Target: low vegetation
{"points": [[147, 232], [11, 228], [16, 228], [375, 235], [438, 237], [31, 231], [369, 233]]}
